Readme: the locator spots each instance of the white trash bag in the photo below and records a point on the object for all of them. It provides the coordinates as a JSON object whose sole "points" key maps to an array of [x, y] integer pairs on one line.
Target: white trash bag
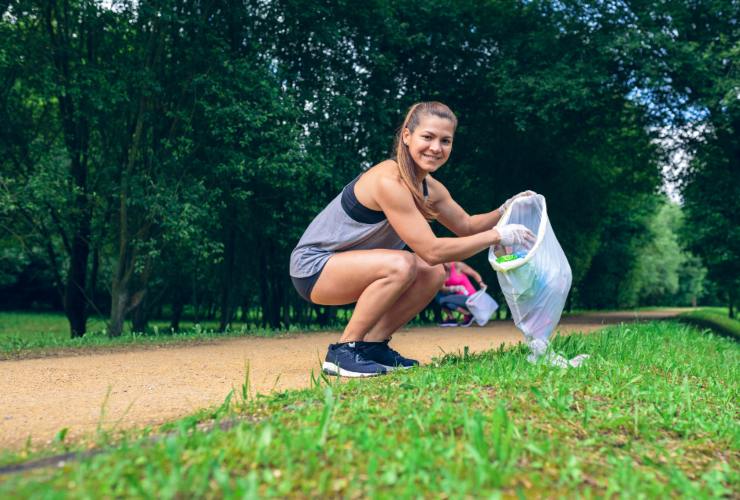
{"points": [[535, 281], [481, 306]]}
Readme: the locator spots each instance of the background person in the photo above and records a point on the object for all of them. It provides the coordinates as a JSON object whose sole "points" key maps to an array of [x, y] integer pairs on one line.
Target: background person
{"points": [[455, 292], [353, 249]]}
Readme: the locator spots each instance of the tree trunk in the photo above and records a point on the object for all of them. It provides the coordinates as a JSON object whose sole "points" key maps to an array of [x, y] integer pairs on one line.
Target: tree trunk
{"points": [[93, 282], [195, 300], [285, 314], [140, 316], [75, 126], [227, 282], [75, 302], [274, 304], [177, 307], [731, 305], [264, 293], [119, 300], [120, 292]]}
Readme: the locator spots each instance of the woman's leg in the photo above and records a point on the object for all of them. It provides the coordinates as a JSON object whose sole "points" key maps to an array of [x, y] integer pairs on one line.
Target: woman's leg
{"points": [[374, 279], [429, 280], [389, 287]]}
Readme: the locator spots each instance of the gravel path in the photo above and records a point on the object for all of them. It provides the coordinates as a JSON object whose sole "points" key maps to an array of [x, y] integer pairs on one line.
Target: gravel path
{"points": [[139, 387]]}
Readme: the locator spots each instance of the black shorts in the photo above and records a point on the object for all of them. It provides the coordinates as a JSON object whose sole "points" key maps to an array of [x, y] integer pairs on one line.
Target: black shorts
{"points": [[304, 285]]}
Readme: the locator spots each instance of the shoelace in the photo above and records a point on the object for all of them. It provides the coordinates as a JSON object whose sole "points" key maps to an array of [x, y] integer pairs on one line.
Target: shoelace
{"points": [[393, 351]]}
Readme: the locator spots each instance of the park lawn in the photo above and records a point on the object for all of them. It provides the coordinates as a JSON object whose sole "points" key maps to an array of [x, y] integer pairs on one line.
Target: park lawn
{"points": [[653, 413], [39, 326], [714, 318], [26, 334]]}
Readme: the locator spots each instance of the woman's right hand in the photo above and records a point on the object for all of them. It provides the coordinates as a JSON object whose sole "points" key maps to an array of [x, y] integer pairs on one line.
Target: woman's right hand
{"points": [[515, 235], [508, 202]]}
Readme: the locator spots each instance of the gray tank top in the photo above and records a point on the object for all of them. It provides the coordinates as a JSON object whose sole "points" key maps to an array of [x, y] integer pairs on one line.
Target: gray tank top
{"points": [[345, 224]]}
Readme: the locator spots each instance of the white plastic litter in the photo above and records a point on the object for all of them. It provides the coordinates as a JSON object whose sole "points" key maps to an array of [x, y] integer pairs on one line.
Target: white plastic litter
{"points": [[541, 352], [535, 281], [481, 306]]}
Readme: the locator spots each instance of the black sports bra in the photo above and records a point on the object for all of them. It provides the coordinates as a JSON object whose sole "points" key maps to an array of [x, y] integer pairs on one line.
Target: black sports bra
{"points": [[359, 212]]}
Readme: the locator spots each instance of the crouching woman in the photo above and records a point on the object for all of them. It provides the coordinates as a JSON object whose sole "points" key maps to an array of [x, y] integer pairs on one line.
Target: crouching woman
{"points": [[353, 251]]}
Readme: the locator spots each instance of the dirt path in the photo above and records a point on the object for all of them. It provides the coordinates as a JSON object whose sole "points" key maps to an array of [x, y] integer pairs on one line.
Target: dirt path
{"points": [[135, 388]]}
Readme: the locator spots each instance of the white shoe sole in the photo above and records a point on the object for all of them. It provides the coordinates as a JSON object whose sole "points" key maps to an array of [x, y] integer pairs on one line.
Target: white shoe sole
{"points": [[332, 369]]}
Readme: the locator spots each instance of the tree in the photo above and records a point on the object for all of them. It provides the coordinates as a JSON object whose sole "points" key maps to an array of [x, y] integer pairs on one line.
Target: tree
{"points": [[689, 71], [712, 200], [53, 87]]}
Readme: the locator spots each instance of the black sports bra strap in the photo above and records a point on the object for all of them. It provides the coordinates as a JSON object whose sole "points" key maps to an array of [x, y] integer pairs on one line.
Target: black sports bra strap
{"points": [[357, 210]]}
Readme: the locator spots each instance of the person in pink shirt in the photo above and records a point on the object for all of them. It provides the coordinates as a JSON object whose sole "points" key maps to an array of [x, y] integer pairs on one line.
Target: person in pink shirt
{"points": [[455, 291]]}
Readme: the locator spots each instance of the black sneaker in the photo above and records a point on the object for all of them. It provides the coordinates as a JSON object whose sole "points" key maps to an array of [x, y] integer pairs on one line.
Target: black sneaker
{"points": [[381, 353], [347, 360]]}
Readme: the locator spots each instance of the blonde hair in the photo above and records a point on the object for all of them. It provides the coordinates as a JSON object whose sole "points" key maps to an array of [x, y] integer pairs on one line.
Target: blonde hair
{"points": [[406, 165]]}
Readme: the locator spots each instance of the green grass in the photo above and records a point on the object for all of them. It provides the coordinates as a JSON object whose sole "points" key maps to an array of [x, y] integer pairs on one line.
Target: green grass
{"points": [[34, 334], [714, 318], [38, 326], [653, 413]]}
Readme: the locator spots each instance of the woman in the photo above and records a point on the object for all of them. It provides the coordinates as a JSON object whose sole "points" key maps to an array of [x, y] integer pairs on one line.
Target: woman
{"points": [[353, 250], [455, 291]]}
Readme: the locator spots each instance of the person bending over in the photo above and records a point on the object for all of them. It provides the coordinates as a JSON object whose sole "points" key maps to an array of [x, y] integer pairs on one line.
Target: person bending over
{"points": [[352, 252], [455, 292]]}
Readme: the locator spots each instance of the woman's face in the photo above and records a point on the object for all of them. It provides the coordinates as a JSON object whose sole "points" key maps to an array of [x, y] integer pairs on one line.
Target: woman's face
{"points": [[430, 143]]}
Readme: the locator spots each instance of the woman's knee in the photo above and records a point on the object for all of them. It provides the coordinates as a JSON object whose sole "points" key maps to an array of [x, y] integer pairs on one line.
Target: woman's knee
{"points": [[434, 275], [403, 267], [439, 275]]}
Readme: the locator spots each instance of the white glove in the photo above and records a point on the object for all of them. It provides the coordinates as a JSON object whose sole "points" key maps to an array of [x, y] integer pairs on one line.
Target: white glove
{"points": [[515, 235], [508, 202]]}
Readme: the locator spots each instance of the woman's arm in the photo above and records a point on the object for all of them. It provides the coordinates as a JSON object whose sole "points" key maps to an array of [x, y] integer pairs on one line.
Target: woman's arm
{"points": [[454, 217], [398, 205]]}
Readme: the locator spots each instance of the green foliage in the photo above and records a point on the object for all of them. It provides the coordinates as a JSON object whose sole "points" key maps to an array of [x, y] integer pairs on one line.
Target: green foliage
{"points": [[712, 197], [160, 153], [660, 260], [612, 280], [691, 66], [652, 413], [666, 273]]}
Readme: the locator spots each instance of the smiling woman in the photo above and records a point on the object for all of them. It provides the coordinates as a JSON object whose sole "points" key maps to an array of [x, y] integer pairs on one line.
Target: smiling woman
{"points": [[353, 251]]}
